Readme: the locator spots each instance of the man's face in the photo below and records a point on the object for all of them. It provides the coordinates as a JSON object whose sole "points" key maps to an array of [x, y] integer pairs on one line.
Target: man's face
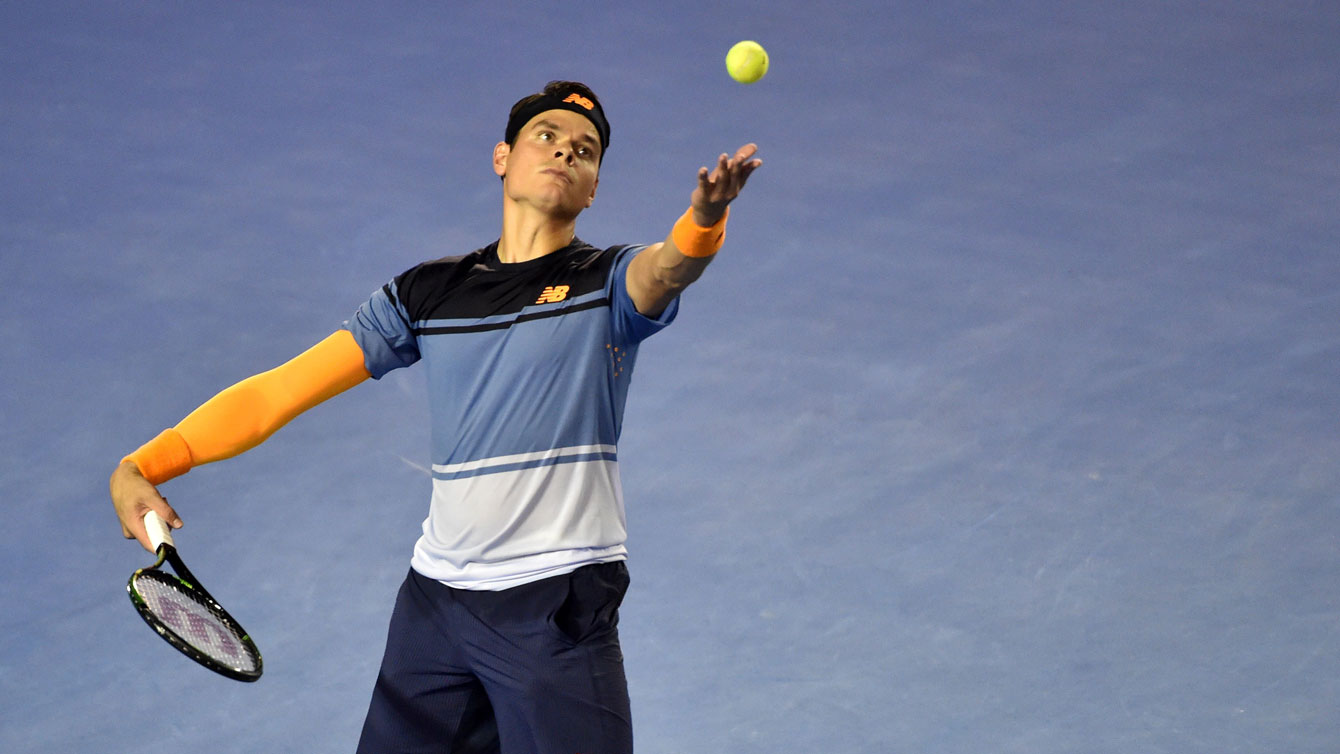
{"points": [[554, 164]]}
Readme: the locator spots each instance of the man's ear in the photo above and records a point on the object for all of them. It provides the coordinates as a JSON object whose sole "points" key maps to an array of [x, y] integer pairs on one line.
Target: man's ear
{"points": [[500, 152], [592, 197]]}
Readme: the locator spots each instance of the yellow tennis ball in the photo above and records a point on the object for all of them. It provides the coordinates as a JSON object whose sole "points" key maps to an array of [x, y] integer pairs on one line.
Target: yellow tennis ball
{"points": [[747, 61]]}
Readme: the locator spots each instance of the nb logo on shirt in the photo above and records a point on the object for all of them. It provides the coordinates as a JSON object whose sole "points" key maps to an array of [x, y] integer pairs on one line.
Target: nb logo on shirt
{"points": [[553, 294]]}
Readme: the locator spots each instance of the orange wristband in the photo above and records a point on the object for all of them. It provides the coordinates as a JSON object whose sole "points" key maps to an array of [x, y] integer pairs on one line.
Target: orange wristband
{"points": [[165, 457], [693, 240]]}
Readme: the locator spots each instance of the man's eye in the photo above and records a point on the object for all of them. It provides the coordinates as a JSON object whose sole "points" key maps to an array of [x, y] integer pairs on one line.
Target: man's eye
{"points": [[546, 136]]}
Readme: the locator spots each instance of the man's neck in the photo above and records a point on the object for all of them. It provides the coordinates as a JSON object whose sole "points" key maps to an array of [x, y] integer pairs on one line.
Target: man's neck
{"points": [[528, 235]]}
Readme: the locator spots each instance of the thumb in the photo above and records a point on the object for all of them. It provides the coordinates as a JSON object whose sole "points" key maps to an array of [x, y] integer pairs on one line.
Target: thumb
{"points": [[169, 514]]}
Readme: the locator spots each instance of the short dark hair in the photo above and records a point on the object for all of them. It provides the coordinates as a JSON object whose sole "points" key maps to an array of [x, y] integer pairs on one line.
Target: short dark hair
{"points": [[554, 93]]}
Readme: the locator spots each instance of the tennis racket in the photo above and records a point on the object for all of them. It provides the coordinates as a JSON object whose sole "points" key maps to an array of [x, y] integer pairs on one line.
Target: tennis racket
{"points": [[180, 610]]}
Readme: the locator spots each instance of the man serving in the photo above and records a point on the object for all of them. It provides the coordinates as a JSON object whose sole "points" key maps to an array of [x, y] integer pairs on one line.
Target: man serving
{"points": [[503, 637]]}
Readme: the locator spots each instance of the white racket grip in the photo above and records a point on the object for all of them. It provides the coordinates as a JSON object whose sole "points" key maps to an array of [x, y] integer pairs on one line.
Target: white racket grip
{"points": [[158, 530]]}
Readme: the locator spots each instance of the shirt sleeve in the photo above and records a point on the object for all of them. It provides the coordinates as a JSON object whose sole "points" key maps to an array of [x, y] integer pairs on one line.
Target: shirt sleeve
{"points": [[630, 325], [382, 329]]}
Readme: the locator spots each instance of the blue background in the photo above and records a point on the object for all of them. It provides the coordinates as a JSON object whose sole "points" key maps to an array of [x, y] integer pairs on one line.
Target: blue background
{"points": [[1007, 421]]}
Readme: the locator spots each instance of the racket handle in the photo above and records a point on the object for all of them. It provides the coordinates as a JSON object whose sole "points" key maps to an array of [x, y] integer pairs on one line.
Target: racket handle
{"points": [[158, 530]]}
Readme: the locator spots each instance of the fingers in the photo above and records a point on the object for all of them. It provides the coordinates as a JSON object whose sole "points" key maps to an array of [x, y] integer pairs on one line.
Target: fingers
{"points": [[724, 182], [721, 170], [740, 163], [745, 152], [718, 187], [136, 525]]}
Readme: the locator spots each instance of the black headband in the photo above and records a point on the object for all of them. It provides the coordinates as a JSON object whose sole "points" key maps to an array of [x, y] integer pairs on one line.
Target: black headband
{"points": [[574, 102]]}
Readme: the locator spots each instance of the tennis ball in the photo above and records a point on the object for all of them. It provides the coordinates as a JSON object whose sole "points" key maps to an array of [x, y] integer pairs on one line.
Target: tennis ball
{"points": [[747, 61]]}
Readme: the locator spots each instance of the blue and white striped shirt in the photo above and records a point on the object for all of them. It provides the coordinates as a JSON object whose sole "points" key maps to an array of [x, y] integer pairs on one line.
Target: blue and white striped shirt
{"points": [[528, 370]]}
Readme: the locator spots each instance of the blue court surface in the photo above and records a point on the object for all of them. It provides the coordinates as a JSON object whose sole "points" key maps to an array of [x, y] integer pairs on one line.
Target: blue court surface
{"points": [[1008, 420]]}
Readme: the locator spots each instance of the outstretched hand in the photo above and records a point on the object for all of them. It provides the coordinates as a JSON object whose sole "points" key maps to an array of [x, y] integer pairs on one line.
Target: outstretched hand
{"points": [[719, 188]]}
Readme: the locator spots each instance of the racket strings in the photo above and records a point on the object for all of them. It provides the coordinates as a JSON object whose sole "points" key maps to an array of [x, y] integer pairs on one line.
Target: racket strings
{"points": [[186, 613]]}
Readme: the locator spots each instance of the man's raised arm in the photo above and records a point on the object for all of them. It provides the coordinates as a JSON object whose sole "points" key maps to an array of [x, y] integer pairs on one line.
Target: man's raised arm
{"points": [[661, 271]]}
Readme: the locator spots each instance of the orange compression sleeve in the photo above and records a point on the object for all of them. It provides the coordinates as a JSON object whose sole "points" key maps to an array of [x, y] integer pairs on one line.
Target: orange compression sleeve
{"points": [[693, 240], [244, 415]]}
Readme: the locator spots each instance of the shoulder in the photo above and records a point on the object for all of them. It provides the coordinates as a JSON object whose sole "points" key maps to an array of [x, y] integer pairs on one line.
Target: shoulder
{"points": [[445, 267], [596, 266], [588, 257], [430, 278]]}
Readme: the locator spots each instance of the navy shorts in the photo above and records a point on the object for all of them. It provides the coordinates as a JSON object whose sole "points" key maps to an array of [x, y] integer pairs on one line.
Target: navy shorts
{"points": [[535, 669]]}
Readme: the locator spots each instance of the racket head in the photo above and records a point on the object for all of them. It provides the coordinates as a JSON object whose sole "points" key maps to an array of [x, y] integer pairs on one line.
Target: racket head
{"points": [[189, 619]]}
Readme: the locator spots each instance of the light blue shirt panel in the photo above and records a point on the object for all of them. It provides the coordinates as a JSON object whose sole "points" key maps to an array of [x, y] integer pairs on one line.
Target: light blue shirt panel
{"points": [[631, 326], [536, 385], [381, 329], [546, 383]]}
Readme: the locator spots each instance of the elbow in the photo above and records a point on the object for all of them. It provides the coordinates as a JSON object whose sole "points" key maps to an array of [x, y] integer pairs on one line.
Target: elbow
{"points": [[674, 278]]}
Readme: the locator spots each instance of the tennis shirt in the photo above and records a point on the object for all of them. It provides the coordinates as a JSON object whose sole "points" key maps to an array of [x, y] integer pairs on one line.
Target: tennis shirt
{"points": [[528, 370]]}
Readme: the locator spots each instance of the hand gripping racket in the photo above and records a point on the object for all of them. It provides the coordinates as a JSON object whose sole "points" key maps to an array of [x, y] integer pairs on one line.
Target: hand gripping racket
{"points": [[186, 616]]}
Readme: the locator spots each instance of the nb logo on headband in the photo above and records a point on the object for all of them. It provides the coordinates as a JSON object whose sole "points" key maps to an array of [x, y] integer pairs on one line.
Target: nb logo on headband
{"points": [[578, 99]]}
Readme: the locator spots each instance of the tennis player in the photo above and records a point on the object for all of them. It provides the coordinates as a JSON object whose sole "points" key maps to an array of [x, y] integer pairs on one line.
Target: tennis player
{"points": [[503, 637]]}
